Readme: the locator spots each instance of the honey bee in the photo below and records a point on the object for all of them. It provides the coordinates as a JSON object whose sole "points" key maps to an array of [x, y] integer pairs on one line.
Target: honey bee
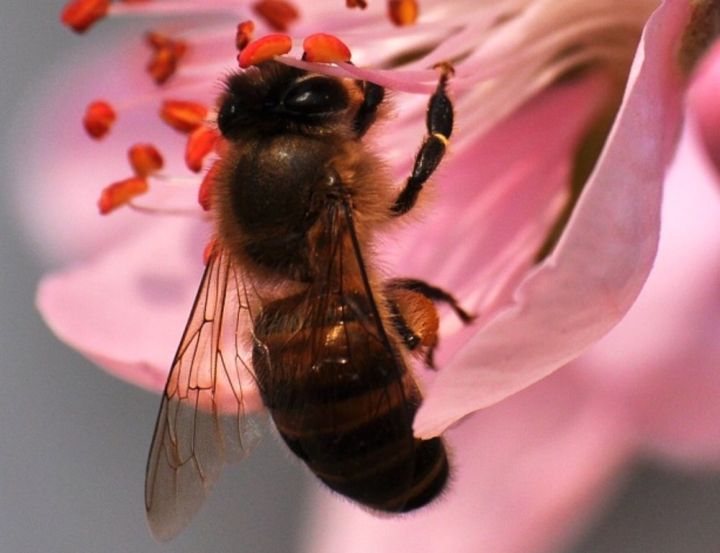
{"points": [[290, 298]]}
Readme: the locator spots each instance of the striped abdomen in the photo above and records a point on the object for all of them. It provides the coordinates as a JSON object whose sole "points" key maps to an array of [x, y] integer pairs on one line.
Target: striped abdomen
{"points": [[344, 402]]}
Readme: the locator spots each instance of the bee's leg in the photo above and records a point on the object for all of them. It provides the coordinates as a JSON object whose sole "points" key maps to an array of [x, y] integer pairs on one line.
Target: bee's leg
{"points": [[415, 319], [437, 295], [365, 117], [439, 122], [412, 306]]}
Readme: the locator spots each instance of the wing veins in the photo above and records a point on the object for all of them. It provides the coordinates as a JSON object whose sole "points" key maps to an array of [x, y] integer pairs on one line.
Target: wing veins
{"points": [[189, 443]]}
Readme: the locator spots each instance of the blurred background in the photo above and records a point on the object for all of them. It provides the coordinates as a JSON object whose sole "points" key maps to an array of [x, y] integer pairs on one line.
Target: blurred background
{"points": [[73, 440]]}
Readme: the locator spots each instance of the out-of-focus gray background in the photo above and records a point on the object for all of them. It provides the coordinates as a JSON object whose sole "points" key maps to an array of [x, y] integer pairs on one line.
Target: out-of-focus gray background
{"points": [[73, 441]]}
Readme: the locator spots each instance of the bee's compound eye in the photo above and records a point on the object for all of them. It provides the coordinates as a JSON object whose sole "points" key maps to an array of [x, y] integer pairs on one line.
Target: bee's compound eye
{"points": [[228, 115], [316, 95]]}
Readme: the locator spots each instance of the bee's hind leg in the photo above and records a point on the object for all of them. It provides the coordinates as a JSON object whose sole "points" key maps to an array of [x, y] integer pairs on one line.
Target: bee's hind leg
{"points": [[439, 123], [414, 315]]}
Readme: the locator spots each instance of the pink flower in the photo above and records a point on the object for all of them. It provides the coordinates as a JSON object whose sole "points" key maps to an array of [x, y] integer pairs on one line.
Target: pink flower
{"points": [[533, 470], [534, 82], [704, 106]]}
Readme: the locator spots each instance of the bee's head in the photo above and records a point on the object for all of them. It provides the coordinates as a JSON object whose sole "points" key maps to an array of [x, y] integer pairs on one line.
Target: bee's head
{"points": [[275, 97]]}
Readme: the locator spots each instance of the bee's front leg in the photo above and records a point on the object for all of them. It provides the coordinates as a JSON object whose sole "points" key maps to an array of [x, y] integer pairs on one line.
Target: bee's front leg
{"points": [[439, 124]]}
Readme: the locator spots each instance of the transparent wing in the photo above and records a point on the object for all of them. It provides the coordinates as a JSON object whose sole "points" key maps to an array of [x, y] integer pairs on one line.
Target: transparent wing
{"points": [[201, 424]]}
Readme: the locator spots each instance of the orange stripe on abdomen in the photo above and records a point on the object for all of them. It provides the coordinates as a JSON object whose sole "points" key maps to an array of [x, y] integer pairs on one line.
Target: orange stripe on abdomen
{"points": [[344, 403]]}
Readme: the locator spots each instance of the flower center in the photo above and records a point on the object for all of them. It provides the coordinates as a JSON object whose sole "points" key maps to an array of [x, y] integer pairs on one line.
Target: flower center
{"points": [[504, 53]]}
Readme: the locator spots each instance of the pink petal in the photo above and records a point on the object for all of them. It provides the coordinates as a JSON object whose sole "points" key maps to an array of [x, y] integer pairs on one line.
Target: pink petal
{"points": [[661, 362], [126, 309], [529, 473], [704, 105], [677, 412], [580, 292]]}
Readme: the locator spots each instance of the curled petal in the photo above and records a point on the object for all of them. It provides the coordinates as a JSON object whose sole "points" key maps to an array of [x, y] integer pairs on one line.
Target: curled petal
{"points": [[603, 259]]}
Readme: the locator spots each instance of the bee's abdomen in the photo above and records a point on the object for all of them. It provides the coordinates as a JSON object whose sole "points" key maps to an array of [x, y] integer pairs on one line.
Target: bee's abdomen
{"points": [[344, 404]]}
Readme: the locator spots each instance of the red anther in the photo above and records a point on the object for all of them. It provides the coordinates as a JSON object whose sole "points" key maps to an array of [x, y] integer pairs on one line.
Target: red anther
{"points": [[325, 48], [166, 55], [209, 250], [362, 4], [200, 143], [80, 15], [157, 40], [121, 192], [182, 115], [403, 12], [244, 34], [207, 185], [279, 14], [264, 49], [145, 159], [162, 65], [99, 118]]}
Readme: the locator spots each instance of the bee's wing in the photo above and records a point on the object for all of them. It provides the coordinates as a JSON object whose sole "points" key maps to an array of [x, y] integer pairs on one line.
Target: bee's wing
{"points": [[201, 422]]}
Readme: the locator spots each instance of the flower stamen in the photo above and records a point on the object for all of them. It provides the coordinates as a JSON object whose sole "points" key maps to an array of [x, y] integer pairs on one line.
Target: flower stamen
{"points": [[182, 115], [99, 118], [167, 53], [325, 48], [403, 12], [200, 144], [362, 4], [244, 34], [80, 15], [206, 187], [173, 211], [278, 14], [145, 159], [121, 193], [264, 49]]}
